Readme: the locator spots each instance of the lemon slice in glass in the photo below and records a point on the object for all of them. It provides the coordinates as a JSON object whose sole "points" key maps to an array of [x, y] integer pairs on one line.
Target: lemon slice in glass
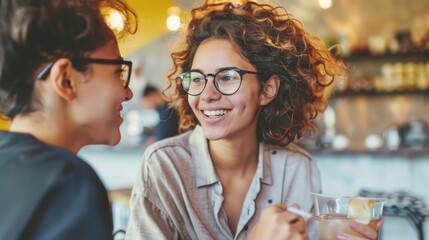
{"points": [[359, 209]]}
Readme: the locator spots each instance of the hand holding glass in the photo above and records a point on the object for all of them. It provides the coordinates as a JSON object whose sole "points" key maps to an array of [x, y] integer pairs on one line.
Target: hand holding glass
{"points": [[334, 214]]}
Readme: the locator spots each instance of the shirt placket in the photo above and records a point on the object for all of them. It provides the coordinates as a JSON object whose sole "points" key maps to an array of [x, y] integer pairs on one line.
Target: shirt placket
{"points": [[248, 209], [249, 206], [220, 216]]}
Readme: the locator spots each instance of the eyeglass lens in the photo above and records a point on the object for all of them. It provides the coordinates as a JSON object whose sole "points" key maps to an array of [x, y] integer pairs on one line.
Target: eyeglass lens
{"points": [[226, 81], [125, 74]]}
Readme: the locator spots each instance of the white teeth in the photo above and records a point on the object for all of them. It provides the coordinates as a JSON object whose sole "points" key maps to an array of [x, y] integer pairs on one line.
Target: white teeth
{"points": [[215, 113]]}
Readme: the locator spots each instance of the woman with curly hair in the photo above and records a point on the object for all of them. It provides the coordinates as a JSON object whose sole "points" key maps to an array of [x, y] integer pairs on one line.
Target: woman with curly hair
{"points": [[62, 84], [247, 82]]}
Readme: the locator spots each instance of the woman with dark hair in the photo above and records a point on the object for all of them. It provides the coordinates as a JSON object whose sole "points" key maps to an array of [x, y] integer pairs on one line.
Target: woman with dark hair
{"points": [[62, 85], [247, 82]]}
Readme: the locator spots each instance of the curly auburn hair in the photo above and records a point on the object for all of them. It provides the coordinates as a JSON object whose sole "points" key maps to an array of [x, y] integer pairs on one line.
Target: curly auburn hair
{"points": [[275, 43], [35, 32]]}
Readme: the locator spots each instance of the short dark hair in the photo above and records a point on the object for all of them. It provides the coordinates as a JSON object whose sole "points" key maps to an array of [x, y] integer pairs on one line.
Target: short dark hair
{"points": [[34, 33], [149, 89], [276, 44]]}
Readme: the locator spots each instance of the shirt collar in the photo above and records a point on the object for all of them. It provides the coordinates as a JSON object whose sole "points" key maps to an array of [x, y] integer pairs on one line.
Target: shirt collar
{"points": [[204, 171], [264, 164]]}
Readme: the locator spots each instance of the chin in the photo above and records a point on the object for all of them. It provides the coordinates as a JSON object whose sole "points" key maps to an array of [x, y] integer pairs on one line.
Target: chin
{"points": [[112, 140], [213, 136], [115, 141]]}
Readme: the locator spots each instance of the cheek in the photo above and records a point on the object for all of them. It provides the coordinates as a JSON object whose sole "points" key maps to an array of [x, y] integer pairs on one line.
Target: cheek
{"points": [[242, 100], [101, 103], [248, 105], [95, 108], [193, 101]]}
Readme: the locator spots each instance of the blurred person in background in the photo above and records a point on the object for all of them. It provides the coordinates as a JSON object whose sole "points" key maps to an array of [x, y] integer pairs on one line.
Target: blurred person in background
{"points": [[168, 124], [247, 82], [62, 84]]}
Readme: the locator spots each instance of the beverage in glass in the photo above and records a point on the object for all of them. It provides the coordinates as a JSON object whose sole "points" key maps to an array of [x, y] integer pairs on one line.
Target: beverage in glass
{"points": [[334, 214]]}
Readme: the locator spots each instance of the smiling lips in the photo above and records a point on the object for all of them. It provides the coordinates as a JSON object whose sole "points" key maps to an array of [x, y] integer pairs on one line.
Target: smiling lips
{"points": [[215, 113]]}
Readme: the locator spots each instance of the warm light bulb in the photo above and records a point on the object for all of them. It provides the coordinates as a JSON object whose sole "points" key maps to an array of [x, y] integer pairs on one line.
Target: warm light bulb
{"points": [[325, 4], [173, 23], [116, 21]]}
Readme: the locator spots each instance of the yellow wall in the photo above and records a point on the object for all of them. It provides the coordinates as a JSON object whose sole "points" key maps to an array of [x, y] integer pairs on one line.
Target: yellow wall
{"points": [[152, 17], [4, 125]]}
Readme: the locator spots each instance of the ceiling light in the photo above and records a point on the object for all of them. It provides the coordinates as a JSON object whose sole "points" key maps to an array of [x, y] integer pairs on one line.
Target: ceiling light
{"points": [[115, 21], [173, 20], [173, 23], [325, 4]]}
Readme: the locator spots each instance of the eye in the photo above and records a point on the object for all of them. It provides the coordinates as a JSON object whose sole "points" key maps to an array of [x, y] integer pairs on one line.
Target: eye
{"points": [[228, 76], [197, 80], [121, 71]]}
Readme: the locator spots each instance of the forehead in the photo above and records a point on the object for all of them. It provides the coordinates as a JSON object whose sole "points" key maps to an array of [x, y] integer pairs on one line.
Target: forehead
{"points": [[213, 54]]}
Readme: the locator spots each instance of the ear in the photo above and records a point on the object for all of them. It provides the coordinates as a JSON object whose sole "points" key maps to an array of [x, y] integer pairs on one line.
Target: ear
{"points": [[61, 78], [271, 88]]}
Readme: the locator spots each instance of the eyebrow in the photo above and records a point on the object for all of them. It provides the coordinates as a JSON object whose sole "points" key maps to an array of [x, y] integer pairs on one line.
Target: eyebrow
{"points": [[216, 70]]}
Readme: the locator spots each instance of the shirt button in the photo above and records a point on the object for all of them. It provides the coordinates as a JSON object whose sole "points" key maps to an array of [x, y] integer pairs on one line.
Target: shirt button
{"points": [[270, 201], [274, 152], [245, 228]]}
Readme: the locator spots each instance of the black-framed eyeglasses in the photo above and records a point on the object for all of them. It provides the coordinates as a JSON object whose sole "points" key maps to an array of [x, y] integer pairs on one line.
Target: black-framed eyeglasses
{"points": [[124, 71], [227, 80]]}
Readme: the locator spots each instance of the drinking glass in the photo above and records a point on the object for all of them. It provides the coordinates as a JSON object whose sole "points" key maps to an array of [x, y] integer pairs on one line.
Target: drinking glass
{"points": [[334, 213]]}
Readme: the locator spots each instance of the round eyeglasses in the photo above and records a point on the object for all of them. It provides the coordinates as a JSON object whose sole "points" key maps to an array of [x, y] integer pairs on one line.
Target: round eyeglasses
{"points": [[227, 81]]}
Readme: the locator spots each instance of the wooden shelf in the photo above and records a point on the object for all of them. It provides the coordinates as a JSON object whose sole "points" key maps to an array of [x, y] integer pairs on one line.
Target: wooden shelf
{"points": [[351, 93], [420, 55], [401, 152]]}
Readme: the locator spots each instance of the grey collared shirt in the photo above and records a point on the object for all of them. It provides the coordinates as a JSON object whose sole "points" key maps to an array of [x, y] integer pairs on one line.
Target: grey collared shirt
{"points": [[177, 194]]}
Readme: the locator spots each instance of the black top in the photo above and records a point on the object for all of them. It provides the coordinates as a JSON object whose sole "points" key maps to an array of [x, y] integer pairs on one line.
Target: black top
{"points": [[49, 193]]}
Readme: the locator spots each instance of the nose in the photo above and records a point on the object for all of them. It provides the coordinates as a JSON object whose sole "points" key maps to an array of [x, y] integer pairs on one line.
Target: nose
{"points": [[210, 92], [128, 94]]}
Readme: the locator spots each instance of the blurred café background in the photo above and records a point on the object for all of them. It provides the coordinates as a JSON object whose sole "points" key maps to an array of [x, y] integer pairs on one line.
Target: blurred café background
{"points": [[372, 139]]}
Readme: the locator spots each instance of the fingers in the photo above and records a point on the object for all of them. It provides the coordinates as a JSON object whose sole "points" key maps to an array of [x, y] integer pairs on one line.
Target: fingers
{"points": [[345, 236], [279, 207], [277, 223], [364, 230], [379, 224], [295, 205], [298, 236], [296, 218], [299, 225], [296, 221], [297, 211], [282, 210], [272, 225]]}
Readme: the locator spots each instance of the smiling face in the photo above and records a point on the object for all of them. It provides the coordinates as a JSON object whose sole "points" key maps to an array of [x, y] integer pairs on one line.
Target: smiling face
{"points": [[221, 116], [100, 97]]}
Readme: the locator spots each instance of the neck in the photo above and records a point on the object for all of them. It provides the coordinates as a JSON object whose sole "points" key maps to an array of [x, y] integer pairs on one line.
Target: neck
{"points": [[53, 132], [238, 157]]}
